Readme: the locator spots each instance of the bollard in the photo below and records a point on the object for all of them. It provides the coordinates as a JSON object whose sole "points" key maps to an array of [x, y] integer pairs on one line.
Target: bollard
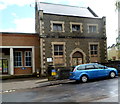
{"points": [[38, 75]]}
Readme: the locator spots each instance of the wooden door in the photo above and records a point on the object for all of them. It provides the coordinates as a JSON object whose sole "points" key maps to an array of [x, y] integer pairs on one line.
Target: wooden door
{"points": [[77, 59]]}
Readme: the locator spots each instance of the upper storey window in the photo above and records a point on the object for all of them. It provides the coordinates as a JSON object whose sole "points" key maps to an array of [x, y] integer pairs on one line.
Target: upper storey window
{"points": [[76, 27], [92, 28], [57, 26]]}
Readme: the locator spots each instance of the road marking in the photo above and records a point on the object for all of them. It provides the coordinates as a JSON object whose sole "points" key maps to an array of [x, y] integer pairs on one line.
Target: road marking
{"points": [[7, 91]]}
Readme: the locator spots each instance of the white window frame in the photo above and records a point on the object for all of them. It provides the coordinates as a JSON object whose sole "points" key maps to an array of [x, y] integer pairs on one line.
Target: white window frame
{"points": [[96, 25], [57, 22], [25, 58], [74, 23], [21, 59]]}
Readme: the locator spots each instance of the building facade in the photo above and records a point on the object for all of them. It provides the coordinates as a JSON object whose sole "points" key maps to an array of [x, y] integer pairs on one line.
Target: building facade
{"points": [[113, 53], [64, 37], [69, 35], [19, 53]]}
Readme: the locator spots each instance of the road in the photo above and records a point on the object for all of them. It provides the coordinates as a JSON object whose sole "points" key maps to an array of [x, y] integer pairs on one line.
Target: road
{"points": [[104, 90]]}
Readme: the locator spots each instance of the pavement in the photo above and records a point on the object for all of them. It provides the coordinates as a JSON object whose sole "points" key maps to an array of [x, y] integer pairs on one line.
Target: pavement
{"points": [[17, 84]]}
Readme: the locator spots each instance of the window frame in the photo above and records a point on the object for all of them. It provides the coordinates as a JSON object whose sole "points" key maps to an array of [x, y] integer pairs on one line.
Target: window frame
{"points": [[94, 52], [17, 61], [75, 23], [60, 56], [92, 25], [25, 58], [94, 55], [57, 22], [58, 51]]}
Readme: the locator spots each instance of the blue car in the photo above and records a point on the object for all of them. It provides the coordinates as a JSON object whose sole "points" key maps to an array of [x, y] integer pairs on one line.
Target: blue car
{"points": [[85, 72]]}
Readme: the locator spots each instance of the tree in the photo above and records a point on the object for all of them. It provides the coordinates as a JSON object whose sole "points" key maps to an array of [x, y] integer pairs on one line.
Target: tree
{"points": [[117, 4]]}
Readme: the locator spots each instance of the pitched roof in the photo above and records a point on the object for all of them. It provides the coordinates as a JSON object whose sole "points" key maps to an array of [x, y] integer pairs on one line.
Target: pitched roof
{"points": [[66, 10]]}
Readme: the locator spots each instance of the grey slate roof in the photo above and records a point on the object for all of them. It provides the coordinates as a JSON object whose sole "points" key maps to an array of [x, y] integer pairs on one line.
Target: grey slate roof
{"points": [[65, 10]]}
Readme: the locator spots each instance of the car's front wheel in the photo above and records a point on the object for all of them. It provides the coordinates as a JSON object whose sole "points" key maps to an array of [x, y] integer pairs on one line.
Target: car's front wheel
{"points": [[84, 78], [112, 74]]}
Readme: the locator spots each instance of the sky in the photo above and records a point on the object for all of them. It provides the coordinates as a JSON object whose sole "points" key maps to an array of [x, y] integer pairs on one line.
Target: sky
{"points": [[19, 15]]}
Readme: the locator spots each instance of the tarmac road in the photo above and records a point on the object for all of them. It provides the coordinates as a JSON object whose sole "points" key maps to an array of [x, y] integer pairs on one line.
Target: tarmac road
{"points": [[104, 90]]}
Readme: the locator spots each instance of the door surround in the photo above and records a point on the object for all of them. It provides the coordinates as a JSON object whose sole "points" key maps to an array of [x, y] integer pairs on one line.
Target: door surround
{"points": [[77, 50]]}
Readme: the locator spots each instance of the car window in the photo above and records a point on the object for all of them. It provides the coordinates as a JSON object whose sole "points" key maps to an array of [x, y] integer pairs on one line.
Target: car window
{"points": [[101, 66], [81, 68], [90, 67]]}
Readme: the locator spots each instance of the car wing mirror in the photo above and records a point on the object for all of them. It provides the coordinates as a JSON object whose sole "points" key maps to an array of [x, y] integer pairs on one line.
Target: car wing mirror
{"points": [[105, 67]]}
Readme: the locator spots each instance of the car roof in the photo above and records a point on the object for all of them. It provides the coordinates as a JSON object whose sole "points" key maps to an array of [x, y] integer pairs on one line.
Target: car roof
{"points": [[87, 64]]}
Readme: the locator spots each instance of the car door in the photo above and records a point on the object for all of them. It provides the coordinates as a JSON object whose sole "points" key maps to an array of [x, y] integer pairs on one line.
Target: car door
{"points": [[101, 71], [92, 72]]}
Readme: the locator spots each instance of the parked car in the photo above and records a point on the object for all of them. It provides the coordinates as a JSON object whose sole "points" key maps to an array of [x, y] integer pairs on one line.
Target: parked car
{"points": [[85, 72]]}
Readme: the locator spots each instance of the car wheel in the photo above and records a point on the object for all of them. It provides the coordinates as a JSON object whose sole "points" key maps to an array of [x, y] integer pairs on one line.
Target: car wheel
{"points": [[112, 74], [84, 78]]}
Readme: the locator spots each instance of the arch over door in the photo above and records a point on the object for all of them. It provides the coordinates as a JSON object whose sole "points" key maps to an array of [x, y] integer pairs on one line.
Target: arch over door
{"points": [[77, 58]]}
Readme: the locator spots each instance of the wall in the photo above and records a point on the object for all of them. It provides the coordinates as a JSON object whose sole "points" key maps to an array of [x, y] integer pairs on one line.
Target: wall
{"points": [[71, 44], [67, 19]]}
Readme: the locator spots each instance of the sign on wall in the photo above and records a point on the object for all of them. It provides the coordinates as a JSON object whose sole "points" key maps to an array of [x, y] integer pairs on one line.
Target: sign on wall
{"points": [[49, 60]]}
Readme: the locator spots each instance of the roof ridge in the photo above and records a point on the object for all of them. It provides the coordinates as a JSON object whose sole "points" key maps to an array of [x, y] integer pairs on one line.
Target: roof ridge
{"points": [[62, 5]]}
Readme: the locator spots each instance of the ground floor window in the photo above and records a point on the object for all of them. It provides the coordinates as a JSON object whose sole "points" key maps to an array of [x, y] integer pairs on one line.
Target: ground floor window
{"points": [[28, 58], [22, 58], [17, 59], [58, 54], [93, 50]]}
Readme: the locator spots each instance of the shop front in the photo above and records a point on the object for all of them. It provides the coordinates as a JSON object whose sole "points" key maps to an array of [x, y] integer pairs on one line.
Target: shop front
{"points": [[17, 60]]}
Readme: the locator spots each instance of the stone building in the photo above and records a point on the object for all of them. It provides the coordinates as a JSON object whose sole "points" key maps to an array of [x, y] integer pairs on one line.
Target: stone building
{"points": [[69, 35]]}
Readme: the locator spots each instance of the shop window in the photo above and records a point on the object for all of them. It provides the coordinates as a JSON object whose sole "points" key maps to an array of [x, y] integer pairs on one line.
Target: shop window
{"points": [[17, 59], [28, 58]]}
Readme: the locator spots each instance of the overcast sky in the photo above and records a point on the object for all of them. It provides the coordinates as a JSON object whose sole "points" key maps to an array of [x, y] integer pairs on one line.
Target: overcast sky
{"points": [[19, 15]]}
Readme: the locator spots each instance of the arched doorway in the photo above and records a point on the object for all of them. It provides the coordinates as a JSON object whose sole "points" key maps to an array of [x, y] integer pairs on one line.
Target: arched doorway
{"points": [[77, 58]]}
